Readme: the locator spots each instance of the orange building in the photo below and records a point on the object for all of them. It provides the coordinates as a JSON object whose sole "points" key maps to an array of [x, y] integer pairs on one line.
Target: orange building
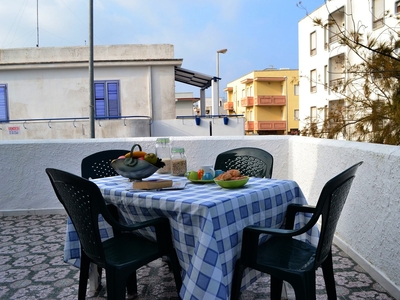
{"points": [[268, 99]]}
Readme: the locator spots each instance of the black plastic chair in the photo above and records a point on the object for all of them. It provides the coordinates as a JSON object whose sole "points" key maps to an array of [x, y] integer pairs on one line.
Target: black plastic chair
{"points": [[98, 165], [289, 259], [249, 161], [120, 255]]}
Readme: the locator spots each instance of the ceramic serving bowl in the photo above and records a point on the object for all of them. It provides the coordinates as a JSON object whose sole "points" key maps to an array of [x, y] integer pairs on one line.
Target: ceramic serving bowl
{"points": [[142, 169], [232, 184]]}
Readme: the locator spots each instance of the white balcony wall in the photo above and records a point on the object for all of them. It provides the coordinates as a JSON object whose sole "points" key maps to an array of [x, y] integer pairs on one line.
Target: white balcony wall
{"points": [[368, 229], [188, 127]]}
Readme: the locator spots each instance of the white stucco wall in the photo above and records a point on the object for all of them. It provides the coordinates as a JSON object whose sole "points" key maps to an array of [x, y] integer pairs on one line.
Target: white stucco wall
{"points": [[188, 127], [368, 227]]}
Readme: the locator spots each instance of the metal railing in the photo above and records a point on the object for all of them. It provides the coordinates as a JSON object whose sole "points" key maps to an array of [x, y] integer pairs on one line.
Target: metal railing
{"points": [[73, 119], [208, 116]]}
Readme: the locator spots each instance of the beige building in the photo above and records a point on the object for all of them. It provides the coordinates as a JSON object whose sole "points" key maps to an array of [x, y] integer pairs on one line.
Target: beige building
{"points": [[185, 104], [46, 90], [45, 94], [268, 99]]}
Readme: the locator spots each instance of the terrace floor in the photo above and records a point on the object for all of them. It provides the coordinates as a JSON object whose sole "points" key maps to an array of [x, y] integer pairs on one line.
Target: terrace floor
{"points": [[32, 267]]}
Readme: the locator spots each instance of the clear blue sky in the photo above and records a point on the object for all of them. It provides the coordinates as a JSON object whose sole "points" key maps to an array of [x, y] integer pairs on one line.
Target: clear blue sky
{"points": [[257, 33]]}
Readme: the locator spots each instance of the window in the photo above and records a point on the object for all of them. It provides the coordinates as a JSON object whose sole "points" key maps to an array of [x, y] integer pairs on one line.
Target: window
{"points": [[296, 89], [313, 43], [296, 115], [336, 110], [313, 81], [378, 8], [107, 98], [326, 76], [3, 103], [249, 91], [397, 7], [326, 37], [313, 113]]}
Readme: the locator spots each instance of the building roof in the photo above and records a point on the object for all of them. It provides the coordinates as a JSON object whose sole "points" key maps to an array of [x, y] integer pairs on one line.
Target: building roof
{"points": [[193, 78]]}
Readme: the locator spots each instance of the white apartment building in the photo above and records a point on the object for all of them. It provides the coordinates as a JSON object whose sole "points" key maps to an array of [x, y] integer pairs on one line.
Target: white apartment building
{"points": [[323, 61]]}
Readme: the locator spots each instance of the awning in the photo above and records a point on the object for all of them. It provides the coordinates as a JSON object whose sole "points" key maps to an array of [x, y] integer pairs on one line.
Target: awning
{"points": [[193, 78]]}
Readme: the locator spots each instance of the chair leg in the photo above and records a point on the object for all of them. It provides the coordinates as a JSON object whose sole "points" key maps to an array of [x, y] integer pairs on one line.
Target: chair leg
{"points": [[276, 288], [304, 286], [116, 285], [83, 276], [237, 280], [329, 278], [131, 284], [173, 264], [99, 272]]}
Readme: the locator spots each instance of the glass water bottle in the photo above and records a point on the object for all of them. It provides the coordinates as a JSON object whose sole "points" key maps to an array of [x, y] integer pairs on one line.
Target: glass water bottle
{"points": [[163, 151]]}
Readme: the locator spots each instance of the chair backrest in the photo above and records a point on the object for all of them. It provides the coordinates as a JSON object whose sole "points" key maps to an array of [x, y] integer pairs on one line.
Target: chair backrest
{"points": [[98, 165], [83, 202], [330, 204], [249, 161]]}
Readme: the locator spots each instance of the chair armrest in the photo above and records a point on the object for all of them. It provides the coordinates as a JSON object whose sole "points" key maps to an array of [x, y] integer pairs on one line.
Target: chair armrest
{"points": [[159, 221], [161, 226], [256, 231], [293, 209], [251, 234]]}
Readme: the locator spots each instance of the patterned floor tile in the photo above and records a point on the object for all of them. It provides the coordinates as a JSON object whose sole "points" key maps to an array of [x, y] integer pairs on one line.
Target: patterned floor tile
{"points": [[32, 267]]}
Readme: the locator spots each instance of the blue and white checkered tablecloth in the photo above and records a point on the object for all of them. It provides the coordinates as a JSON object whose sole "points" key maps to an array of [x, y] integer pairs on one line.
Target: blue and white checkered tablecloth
{"points": [[206, 222]]}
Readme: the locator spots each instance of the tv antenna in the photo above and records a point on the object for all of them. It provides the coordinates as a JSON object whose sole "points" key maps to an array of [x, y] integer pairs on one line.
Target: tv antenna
{"points": [[37, 23]]}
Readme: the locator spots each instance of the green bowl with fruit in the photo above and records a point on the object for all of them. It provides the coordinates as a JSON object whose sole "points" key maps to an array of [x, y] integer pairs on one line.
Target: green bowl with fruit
{"points": [[232, 184], [137, 168]]}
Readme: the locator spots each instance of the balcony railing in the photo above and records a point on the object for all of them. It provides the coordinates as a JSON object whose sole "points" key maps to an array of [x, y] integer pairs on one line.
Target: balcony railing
{"points": [[336, 82], [247, 101], [264, 125], [249, 125], [228, 106], [270, 125], [335, 37], [278, 100], [264, 100]]}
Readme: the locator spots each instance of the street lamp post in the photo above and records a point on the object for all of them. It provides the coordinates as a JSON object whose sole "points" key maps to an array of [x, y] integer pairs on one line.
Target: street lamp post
{"points": [[216, 101]]}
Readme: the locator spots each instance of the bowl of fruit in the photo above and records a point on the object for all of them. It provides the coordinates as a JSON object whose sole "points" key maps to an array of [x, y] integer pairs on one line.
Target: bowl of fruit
{"points": [[138, 164], [231, 179]]}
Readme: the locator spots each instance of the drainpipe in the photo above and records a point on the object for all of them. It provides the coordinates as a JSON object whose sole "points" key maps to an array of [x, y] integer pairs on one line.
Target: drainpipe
{"points": [[150, 95], [202, 102], [287, 106]]}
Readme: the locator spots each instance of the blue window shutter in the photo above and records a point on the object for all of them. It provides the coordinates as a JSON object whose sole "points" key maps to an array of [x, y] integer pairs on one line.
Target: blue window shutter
{"points": [[99, 97], [113, 110], [107, 98], [3, 103]]}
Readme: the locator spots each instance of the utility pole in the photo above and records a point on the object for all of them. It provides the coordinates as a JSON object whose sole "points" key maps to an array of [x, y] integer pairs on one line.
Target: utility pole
{"points": [[91, 71]]}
